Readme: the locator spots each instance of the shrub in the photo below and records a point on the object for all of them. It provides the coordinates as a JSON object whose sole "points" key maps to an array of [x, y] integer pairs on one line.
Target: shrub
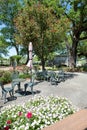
{"points": [[15, 58], [85, 67], [5, 77]]}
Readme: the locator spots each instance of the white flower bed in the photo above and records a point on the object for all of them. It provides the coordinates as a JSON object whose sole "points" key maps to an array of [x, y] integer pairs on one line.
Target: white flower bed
{"points": [[36, 114]]}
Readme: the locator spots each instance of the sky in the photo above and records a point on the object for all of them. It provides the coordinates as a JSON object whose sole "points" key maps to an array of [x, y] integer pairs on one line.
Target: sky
{"points": [[12, 52]]}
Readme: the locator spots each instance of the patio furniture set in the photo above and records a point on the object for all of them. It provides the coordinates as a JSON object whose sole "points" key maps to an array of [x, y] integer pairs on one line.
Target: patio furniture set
{"points": [[16, 81], [52, 77]]}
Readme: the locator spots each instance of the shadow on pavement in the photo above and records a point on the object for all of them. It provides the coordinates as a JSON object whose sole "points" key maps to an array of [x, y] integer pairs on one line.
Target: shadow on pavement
{"points": [[69, 75], [22, 93], [11, 98]]}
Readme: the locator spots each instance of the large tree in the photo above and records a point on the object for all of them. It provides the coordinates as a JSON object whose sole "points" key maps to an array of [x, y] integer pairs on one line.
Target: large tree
{"points": [[76, 12], [8, 10], [38, 24]]}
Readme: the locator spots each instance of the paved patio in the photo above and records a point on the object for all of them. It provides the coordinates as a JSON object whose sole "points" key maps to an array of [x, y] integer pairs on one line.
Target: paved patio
{"points": [[74, 88]]}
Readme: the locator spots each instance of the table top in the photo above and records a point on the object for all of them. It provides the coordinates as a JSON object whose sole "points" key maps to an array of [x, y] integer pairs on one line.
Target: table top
{"points": [[18, 80]]}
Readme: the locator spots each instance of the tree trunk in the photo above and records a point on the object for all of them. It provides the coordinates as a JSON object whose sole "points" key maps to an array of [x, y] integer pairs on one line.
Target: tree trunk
{"points": [[17, 49], [86, 58], [73, 54], [43, 64]]}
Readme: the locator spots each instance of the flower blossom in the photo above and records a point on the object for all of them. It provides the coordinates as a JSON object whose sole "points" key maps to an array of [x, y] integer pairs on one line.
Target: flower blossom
{"points": [[6, 128], [20, 113], [29, 115], [8, 121]]}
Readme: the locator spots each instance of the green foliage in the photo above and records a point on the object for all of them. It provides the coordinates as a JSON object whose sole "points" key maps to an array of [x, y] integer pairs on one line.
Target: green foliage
{"points": [[36, 66], [38, 24], [85, 67], [4, 61], [8, 10], [24, 76], [76, 12], [15, 58], [5, 76], [45, 23], [42, 111], [82, 48], [3, 46]]}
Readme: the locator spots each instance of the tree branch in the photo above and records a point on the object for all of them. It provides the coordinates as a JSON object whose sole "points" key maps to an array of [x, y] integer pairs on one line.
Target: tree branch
{"points": [[69, 17], [84, 27], [84, 21], [83, 38]]}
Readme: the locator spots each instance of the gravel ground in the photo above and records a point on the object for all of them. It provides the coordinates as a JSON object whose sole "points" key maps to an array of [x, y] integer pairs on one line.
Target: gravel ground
{"points": [[74, 88]]}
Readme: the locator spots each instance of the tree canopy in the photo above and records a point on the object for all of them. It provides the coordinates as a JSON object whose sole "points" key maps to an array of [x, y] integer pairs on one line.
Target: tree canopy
{"points": [[3, 46], [39, 24], [76, 12], [8, 10], [46, 23]]}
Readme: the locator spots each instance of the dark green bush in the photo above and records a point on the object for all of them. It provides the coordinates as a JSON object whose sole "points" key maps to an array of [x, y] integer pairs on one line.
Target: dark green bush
{"points": [[85, 67], [5, 76]]}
